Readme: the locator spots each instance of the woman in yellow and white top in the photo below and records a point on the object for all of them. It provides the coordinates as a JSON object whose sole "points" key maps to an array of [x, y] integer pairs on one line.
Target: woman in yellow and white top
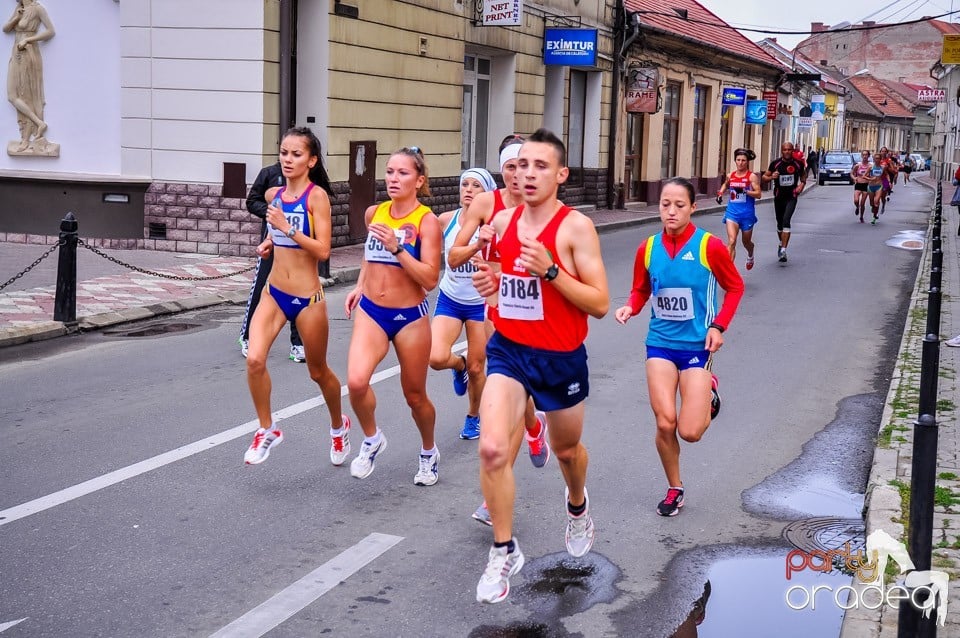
{"points": [[401, 264]]}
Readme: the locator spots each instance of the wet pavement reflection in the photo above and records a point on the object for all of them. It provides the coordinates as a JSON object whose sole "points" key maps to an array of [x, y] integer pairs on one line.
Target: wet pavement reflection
{"points": [[752, 597], [830, 475], [554, 587], [908, 240]]}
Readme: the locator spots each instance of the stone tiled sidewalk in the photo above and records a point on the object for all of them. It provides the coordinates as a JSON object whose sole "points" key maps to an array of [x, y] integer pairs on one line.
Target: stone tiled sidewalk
{"points": [[26, 314]]}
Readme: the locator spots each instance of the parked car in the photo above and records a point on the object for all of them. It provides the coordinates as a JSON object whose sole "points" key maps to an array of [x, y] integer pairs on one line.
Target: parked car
{"points": [[919, 164], [835, 167]]}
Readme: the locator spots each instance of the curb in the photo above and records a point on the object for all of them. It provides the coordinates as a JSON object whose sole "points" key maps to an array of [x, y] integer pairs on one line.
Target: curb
{"points": [[882, 503]]}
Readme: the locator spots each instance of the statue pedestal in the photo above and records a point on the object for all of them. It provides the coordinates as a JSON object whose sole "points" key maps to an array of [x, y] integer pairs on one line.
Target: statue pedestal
{"points": [[38, 147]]}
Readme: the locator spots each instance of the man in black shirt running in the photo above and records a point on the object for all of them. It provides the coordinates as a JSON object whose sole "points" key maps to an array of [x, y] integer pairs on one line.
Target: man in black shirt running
{"points": [[789, 178]]}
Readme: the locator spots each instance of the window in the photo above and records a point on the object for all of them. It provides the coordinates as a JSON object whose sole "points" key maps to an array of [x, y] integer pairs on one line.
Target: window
{"points": [[700, 96], [575, 127], [671, 130], [476, 111]]}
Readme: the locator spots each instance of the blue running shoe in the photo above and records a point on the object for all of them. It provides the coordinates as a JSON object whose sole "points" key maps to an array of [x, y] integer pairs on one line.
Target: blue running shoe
{"points": [[471, 428], [460, 379]]}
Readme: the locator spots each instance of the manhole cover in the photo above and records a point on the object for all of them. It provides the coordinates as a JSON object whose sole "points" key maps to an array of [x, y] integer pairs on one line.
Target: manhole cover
{"points": [[826, 533], [153, 330]]}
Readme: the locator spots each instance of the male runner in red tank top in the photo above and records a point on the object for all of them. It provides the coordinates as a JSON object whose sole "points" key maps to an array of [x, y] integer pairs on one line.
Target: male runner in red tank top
{"points": [[484, 208], [552, 277]]}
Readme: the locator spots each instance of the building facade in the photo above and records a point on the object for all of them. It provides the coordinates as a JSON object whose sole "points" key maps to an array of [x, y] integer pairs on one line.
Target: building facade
{"points": [[187, 102], [684, 59], [899, 52]]}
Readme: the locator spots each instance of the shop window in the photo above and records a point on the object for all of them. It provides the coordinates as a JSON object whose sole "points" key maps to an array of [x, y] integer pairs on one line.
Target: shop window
{"points": [[671, 130], [576, 125], [700, 96], [475, 115]]}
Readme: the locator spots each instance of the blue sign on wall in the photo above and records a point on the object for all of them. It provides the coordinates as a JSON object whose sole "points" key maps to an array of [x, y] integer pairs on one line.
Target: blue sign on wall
{"points": [[756, 111], [734, 96], [570, 47]]}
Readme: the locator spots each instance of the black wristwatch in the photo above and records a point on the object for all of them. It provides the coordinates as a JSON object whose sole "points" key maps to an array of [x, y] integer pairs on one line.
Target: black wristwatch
{"points": [[718, 327], [551, 273], [397, 251]]}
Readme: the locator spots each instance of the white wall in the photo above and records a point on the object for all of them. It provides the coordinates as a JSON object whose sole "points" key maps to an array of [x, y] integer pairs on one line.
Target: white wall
{"points": [[193, 80], [81, 79], [313, 68]]}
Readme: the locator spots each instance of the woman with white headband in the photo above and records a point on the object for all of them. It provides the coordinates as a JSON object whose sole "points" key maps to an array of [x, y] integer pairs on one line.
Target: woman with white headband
{"points": [[459, 307], [477, 236]]}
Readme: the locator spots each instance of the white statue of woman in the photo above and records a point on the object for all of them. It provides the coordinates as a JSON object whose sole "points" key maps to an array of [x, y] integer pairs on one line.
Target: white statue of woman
{"points": [[25, 75]]}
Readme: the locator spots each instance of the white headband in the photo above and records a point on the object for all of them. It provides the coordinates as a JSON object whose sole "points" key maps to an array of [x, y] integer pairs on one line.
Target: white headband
{"points": [[512, 152]]}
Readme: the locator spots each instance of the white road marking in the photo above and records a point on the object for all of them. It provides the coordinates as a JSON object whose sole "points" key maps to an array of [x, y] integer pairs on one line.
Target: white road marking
{"points": [[68, 494], [291, 600], [7, 625]]}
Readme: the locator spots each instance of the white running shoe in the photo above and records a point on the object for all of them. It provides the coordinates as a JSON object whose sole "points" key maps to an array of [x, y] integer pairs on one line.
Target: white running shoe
{"points": [[263, 442], [298, 354], [362, 466], [579, 536], [429, 472], [953, 343], [244, 346], [340, 445], [494, 585]]}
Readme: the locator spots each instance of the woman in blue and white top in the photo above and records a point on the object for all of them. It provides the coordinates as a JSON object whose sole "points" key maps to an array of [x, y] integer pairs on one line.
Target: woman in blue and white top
{"points": [[460, 306], [299, 231]]}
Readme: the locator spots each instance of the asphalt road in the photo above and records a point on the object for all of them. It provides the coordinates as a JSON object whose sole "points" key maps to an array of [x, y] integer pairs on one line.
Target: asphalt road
{"points": [[127, 510]]}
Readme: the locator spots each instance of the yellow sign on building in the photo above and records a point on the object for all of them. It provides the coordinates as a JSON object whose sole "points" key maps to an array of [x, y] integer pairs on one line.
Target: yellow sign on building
{"points": [[951, 50]]}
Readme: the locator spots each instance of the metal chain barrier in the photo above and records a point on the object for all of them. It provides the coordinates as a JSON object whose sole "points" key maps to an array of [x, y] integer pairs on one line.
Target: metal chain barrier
{"points": [[31, 266], [153, 273]]}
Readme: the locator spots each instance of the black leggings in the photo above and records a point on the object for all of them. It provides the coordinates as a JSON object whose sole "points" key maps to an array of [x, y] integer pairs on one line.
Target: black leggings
{"points": [[784, 209]]}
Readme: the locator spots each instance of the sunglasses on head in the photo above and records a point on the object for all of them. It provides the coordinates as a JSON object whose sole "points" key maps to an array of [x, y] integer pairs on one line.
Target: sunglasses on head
{"points": [[416, 150]]}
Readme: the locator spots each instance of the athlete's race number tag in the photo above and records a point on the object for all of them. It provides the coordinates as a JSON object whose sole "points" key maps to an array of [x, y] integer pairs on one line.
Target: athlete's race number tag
{"points": [[520, 298], [786, 180], [375, 250], [673, 304], [735, 196]]}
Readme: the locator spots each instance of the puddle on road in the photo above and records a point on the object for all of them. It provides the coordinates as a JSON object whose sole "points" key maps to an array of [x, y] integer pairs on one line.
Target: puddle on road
{"points": [[908, 240], [726, 591], [554, 587], [749, 597], [829, 476], [154, 329]]}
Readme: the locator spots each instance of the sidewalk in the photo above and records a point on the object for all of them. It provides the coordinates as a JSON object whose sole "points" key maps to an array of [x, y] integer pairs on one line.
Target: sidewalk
{"points": [[889, 479], [109, 294]]}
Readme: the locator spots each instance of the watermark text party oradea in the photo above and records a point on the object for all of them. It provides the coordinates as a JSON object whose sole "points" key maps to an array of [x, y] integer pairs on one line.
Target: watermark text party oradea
{"points": [[925, 590]]}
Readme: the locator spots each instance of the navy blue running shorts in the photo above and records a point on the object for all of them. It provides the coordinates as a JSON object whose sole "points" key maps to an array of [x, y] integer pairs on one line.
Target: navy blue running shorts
{"points": [[555, 380]]}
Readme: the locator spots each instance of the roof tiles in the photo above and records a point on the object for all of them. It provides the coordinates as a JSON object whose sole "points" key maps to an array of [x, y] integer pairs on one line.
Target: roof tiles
{"points": [[879, 95], [701, 25]]}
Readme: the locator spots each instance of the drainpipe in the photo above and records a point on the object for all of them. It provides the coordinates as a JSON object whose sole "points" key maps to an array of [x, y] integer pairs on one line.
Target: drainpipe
{"points": [[287, 107], [618, 65]]}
